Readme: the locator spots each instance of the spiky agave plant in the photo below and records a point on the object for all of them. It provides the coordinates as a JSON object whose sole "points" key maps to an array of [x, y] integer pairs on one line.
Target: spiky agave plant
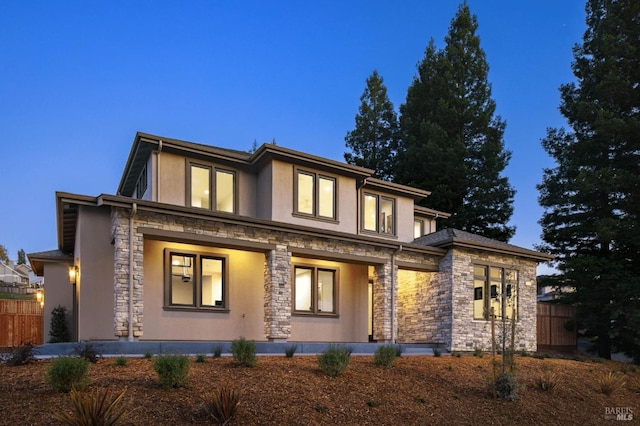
{"points": [[93, 408], [222, 404]]}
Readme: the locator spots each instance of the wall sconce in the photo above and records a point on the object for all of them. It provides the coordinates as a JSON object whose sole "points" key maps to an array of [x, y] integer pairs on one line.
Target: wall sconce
{"points": [[73, 274], [40, 298]]}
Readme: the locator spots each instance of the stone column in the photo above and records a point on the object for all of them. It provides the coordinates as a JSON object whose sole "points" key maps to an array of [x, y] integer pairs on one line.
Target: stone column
{"points": [[277, 294], [382, 283]]}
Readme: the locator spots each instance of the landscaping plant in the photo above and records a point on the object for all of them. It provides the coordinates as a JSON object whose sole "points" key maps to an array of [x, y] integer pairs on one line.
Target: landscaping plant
{"points": [[93, 409], [20, 355], [88, 351], [610, 383], [289, 351], [59, 330], [334, 361], [385, 356], [222, 404], [66, 373], [244, 352], [173, 370]]}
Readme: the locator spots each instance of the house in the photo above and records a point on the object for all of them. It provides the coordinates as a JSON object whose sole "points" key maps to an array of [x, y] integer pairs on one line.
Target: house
{"points": [[13, 275], [206, 244]]}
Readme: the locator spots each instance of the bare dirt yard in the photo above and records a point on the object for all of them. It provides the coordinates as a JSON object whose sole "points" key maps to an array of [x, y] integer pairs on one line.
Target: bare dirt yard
{"points": [[417, 390]]}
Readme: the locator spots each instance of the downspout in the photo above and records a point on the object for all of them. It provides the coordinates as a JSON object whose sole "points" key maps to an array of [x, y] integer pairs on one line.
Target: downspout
{"points": [[134, 209], [158, 171], [394, 283]]}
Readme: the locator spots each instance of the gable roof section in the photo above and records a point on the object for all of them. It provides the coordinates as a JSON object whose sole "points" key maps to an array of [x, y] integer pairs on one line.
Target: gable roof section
{"points": [[452, 238], [37, 260]]}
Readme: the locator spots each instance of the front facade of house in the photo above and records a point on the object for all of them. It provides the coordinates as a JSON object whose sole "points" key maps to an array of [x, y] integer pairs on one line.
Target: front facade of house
{"points": [[209, 244]]}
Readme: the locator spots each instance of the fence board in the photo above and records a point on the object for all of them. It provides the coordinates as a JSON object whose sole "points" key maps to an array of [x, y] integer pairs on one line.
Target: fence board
{"points": [[551, 325], [20, 322]]}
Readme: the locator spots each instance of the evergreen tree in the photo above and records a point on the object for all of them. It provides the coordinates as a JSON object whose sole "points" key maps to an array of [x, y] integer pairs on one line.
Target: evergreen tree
{"points": [[592, 195], [22, 257], [3, 254], [452, 142], [374, 140]]}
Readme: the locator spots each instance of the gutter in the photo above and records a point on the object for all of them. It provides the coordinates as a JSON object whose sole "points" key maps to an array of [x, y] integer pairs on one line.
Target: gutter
{"points": [[394, 283], [158, 170], [134, 209]]}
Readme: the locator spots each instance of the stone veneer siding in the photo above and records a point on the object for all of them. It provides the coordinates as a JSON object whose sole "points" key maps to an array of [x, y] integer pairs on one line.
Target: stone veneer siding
{"points": [[467, 333], [277, 315]]}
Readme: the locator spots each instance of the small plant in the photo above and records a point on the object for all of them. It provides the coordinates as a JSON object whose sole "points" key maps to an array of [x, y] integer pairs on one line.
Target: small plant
{"points": [[201, 358], [121, 361], [320, 409], [95, 408], [217, 351], [450, 367], [579, 358], [477, 352], [58, 328], [398, 351], [506, 386], [289, 351], [20, 355], [244, 352], [385, 356], [173, 370], [597, 360], [222, 404], [148, 355], [66, 373], [456, 354], [421, 399], [372, 403], [334, 361], [547, 382], [88, 351], [437, 352], [541, 355], [610, 383]]}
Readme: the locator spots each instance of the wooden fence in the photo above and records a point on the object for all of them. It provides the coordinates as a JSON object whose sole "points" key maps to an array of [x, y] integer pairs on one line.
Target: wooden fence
{"points": [[20, 322], [556, 327]]}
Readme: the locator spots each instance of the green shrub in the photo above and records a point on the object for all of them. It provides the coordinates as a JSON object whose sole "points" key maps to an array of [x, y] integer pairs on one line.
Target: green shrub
{"points": [[58, 328], [148, 355], [398, 351], [88, 351], [548, 382], [477, 352], [385, 356], [121, 361], [506, 386], [66, 373], [222, 404], [437, 352], [217, 351], [289, 351], [334, 361], [610, 383], [456, 354], [94, 408], [201, 358], [244, 352], [173, 370], [20, 355]]}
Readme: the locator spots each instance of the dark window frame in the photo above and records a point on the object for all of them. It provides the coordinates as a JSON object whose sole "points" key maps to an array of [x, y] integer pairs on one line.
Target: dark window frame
{"points": [[490, 290], [142, 183], [197, 280], [379, 198], [315, 214], [213, 171], [314, 290]]}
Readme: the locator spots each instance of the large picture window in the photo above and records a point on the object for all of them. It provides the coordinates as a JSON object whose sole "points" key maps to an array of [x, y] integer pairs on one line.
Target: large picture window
{"points": [[196, 281], [494, 287], [212, 188], [315, 195], [378, 214], [315, 290]]}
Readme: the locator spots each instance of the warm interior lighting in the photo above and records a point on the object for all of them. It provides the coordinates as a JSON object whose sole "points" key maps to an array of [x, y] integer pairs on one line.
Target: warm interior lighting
{"points": [[40, 298], [73, 274]]}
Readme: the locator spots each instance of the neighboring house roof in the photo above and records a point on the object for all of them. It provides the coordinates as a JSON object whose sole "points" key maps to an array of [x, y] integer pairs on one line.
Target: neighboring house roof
{"points": [[448, 238], [37, 260], [12, 272]]}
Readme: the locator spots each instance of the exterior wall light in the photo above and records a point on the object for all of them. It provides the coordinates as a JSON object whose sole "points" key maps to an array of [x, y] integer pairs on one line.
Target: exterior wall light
{"points": [[73, 274], [40, 298]]}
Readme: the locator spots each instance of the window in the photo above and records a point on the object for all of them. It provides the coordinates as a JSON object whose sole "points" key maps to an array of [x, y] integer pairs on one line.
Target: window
{"points": [[195, 281], [201, 195], [315, 195], [315, 290], [418, 228], [141, 185], [496, 288], [378, 214]]}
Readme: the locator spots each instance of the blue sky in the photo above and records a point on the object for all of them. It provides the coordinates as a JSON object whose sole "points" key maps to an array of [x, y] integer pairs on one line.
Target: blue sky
{"points": [[78, 79]]}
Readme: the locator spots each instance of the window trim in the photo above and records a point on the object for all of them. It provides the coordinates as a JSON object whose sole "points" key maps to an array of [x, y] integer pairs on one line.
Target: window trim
{"points": [[315, 196], [314, 290], [142, 183], [488, 289], [213, 193], [197, 278], [379, 198], [417, 221]]}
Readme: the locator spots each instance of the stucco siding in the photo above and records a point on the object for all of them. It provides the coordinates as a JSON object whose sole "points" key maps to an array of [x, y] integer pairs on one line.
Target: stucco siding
{"points": [[58, 291], [172, 179]]}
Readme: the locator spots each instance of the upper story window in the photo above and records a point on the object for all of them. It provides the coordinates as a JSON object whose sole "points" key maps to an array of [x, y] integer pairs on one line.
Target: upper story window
{"points": [[315, 290], [195, 281], [418, 228], [141, 185], [497, 288], [203, 179], [315, 195], [378, 214]]}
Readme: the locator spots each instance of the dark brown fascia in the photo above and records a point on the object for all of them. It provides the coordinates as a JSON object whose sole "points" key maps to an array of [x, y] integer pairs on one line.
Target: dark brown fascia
{"points": [[511, 250], [424, 211], [395, 188]]}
